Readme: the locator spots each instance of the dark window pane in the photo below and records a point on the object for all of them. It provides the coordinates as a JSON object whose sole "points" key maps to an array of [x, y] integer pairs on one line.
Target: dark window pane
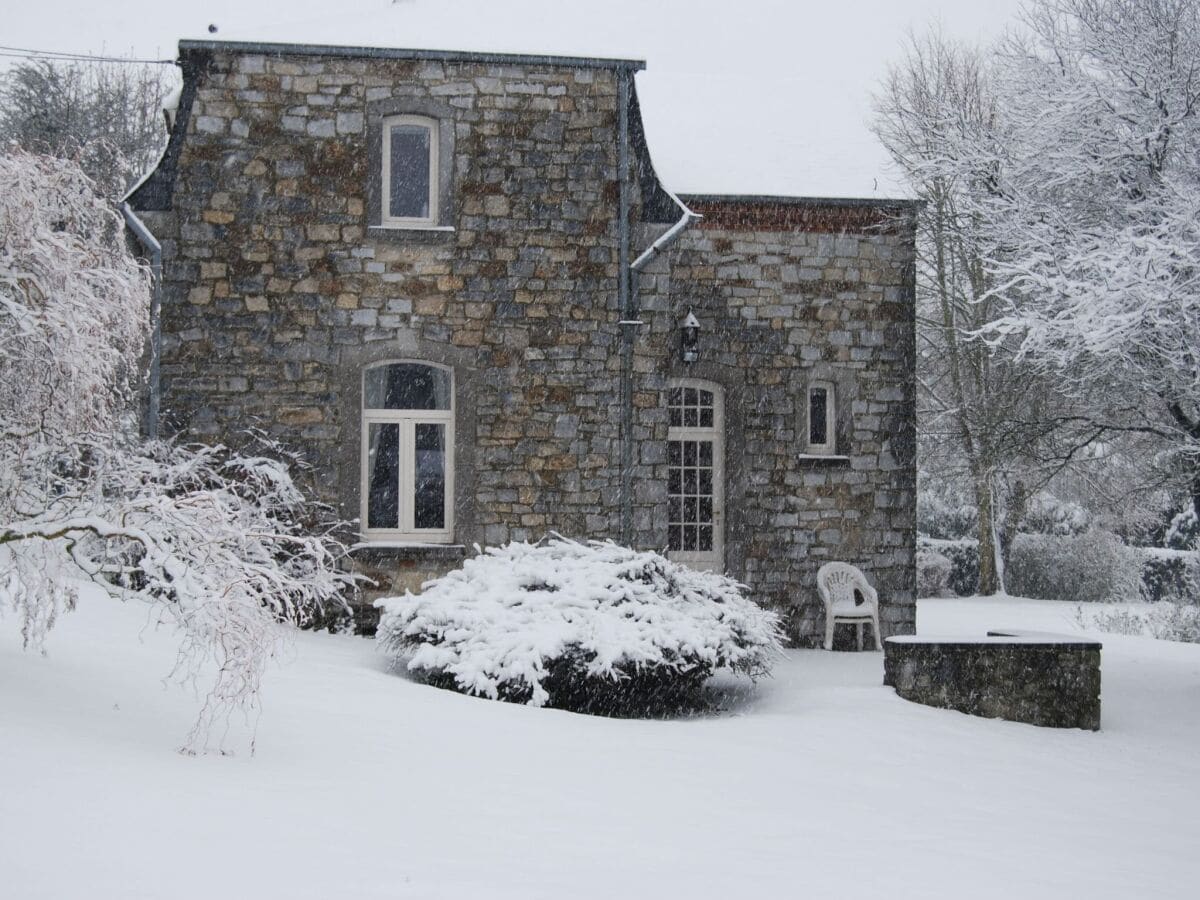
{"points": [[705, 510], [706, 418], [706, 482], [705, 398], [689, 481], [429, 496], [817, 410], [674, 538], [383, 469], [689, 396], [690, 419], [689, 509], [407, 386], [409, 172], [706, 453], [674, 509], [689, 453], [676, 416], [689, 537], [676, 397], [674, 480], [705, 538], [674, 452]]}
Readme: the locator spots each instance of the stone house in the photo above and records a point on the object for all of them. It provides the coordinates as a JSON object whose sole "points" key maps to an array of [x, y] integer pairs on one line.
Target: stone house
{"points": [[454, 282]]}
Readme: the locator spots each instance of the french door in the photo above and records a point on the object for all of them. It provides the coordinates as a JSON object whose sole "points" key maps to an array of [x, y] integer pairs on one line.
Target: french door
{"points": [[696, 475]]}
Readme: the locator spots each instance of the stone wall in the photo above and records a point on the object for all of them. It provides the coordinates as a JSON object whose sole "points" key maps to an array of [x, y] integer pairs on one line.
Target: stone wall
{"points": [[278, 291], [789, 293], [1037, 679]]}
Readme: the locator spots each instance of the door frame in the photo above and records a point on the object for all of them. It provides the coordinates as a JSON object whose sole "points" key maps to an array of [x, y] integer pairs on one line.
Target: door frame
{"points": [[714, 559]]}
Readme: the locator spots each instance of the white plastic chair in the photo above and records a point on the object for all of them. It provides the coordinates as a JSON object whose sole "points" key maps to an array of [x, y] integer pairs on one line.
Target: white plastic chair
{"points": [[836, 582]]}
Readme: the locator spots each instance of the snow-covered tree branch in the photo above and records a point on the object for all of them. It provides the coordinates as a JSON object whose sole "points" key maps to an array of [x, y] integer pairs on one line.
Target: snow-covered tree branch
{"points": [[222, 543], [1098, 211]]}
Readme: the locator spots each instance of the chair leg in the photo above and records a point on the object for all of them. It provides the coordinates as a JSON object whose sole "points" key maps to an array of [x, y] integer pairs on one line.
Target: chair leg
{"points": [[858, 636], [878, 636], [829, 631]]}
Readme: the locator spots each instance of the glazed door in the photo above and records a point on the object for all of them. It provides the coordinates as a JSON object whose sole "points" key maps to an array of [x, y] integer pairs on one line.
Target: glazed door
{"points": [[695, 476]]}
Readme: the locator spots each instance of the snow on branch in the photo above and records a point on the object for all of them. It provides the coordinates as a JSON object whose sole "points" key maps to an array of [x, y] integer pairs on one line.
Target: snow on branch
{"points": [[223, 544]]}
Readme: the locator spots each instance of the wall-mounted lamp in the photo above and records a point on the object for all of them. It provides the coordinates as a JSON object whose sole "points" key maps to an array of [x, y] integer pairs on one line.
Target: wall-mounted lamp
{"points": [[689, 339]]}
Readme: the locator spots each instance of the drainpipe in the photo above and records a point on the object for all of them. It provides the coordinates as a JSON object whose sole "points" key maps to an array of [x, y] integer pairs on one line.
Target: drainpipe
{"points": [[151, 244], [628, 324], [630, 309]]}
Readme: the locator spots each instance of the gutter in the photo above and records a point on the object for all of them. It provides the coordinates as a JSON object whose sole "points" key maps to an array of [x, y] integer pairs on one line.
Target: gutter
{"points": [[151, 244]]}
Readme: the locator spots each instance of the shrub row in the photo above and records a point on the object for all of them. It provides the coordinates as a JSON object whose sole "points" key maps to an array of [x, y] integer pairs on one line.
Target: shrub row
{"points": [[1083, 568]]}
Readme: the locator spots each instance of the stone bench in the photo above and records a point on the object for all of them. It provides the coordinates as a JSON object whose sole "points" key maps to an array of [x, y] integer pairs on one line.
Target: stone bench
{"points": [[1041, 679]]}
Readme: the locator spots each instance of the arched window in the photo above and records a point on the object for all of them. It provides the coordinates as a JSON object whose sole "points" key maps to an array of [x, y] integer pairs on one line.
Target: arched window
{"points": [[696, 474], [407, 455], [410, 171]]}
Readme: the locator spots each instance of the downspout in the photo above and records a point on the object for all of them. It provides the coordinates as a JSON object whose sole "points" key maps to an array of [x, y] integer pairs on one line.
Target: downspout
{"points": [[629, 324], [151, 244]]}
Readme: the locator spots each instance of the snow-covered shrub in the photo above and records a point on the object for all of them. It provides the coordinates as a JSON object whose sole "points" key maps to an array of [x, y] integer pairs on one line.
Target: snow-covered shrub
{"points": [[964, 561], [1092, 567], [1048, 514], [933, 573], [1165, 621], [1171, 575], [592, 627], [941, 514], [221, 543], [1184, 531]]}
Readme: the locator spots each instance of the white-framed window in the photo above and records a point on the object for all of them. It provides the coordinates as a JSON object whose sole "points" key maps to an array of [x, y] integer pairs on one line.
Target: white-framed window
{"points": [[409, 195], [696, 474], [408, 452], [821, 419]]}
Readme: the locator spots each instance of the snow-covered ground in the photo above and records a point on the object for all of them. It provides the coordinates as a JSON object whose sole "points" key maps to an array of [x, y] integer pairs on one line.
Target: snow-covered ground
{"points": [[821, 784]]}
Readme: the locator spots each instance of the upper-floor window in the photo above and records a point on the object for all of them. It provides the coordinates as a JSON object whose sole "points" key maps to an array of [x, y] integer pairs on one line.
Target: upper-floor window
{"points": [[410, 171], [822, 420], [407, 452]]}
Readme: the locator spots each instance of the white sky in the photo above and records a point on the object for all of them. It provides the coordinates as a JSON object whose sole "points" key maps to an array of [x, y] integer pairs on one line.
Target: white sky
{"points": [[739, 96]]}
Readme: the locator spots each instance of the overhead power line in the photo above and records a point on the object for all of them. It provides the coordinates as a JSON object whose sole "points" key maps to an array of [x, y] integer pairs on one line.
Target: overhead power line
{"points": [[57, 55]]}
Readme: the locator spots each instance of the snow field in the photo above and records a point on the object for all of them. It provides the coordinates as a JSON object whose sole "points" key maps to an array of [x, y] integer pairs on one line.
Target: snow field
{"points": [[821, 783]]}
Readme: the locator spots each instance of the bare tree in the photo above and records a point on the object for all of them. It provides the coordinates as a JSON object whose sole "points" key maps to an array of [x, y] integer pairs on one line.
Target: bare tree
{"points": [[105, 115], [985, 417]]}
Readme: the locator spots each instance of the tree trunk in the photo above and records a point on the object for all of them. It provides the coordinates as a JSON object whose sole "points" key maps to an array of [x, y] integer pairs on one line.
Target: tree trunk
{"points": [[989, 575], [1018, 505]]}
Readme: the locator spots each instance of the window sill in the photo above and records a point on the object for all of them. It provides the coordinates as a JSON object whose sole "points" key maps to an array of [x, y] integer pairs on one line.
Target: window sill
{"points": [[822, 459], [411, 233], [385, 550]]}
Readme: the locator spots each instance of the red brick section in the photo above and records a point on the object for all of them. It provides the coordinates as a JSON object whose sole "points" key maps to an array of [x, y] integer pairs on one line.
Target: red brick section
{"points": [[767, 214]]}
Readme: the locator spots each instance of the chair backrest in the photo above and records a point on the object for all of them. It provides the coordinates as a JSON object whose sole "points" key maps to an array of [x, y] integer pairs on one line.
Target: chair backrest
{"points": [[837, 581]]}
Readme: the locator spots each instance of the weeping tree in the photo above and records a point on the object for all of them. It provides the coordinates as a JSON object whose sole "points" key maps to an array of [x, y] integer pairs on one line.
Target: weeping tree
{"points": [[221, 544]]}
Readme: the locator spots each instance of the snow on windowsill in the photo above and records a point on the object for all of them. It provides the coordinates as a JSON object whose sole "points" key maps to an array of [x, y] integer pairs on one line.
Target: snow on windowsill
{"points": [[822, 457]]}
